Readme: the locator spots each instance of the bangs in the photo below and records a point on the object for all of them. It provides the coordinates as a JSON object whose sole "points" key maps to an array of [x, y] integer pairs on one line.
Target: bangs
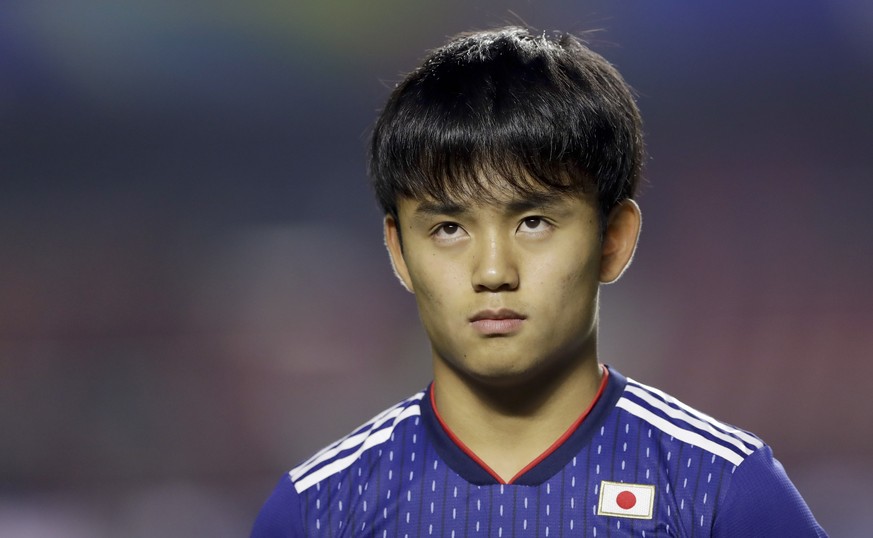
{"points": [[454, 169], [455, 129]]}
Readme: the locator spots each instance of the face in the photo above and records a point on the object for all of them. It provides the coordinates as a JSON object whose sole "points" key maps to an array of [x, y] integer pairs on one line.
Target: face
{"points": [[508, 289]]}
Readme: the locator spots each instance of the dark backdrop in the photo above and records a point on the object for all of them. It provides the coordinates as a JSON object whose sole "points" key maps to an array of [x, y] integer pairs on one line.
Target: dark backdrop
{"points": [[194, 293]]}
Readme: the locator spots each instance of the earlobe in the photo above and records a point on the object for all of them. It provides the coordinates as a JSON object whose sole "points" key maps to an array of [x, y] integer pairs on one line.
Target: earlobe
{"points": [[395, 252], [619, 240]]}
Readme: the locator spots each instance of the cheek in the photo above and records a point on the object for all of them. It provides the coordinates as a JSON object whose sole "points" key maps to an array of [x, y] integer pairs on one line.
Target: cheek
{"points": [[568, 292], [433, 287], [567, 274], [582, 277]]}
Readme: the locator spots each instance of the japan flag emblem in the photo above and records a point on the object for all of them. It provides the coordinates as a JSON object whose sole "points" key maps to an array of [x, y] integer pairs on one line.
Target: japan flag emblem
{"points": [[626, 500]]}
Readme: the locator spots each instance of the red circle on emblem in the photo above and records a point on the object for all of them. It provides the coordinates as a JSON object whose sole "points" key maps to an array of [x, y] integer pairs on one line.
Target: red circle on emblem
{"points": [[626, 500]]}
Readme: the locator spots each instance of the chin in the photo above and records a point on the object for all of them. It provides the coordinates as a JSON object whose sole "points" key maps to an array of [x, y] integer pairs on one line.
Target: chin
{"points": [[502, 375]]}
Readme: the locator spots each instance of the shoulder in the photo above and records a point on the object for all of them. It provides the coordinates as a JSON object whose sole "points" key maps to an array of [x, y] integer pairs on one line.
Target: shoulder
{"points": [[282, 513], [762, 501], [340, 455], [687, 424], [754, 496]]}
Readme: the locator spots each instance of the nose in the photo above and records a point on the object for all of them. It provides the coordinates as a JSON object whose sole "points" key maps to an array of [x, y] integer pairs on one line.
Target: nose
{"points": [[494, 266]]}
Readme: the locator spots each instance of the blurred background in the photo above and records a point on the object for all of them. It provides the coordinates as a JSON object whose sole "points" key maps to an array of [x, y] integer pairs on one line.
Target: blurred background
{"points": [[193, 290]]}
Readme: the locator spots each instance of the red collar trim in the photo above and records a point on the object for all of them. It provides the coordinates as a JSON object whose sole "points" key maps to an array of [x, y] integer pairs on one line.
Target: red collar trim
{"points": [[539, 459]]}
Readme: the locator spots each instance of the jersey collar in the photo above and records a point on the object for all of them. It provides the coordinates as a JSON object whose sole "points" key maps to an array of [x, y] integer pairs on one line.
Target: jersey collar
{"points": [[475, 471]]}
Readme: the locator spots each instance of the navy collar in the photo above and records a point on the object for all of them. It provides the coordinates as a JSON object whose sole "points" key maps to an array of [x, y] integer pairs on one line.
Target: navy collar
{"points": [[473, 471]]}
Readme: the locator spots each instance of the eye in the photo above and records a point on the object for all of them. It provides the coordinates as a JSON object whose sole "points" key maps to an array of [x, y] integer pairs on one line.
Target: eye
{"points": [[448, 231], [449, 228], [534, 224]]}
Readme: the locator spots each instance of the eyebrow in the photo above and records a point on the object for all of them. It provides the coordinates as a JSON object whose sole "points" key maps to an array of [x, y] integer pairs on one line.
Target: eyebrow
{"points": [[431, 208], [520, 204], [536, 200]]}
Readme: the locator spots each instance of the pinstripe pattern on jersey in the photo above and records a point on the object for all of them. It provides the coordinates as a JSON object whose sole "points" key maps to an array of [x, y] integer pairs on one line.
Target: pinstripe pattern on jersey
{"points": [[687, 424], [341, 454]]}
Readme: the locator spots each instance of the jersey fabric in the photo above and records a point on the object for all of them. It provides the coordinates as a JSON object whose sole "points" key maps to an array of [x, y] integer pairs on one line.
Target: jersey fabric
{"points": [[636, 463]]}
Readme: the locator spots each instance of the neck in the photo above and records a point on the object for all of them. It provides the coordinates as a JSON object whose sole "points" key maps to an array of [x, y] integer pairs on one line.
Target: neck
{"points": [[509, 425]]}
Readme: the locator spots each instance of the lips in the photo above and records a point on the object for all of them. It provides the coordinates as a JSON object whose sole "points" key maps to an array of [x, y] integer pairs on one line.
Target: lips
{"points": [[497, 322]]}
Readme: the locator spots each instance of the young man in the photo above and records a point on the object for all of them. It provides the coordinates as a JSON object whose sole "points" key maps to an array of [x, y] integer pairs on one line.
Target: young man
{"points": [[506, 166]]}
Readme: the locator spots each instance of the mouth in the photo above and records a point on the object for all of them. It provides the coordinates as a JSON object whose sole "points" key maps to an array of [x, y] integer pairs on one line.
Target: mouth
{"points": [[497, 322]]}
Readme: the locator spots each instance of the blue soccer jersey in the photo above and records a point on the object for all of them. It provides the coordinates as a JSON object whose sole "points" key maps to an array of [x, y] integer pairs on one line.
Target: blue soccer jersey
{"points": [[637, 463]]}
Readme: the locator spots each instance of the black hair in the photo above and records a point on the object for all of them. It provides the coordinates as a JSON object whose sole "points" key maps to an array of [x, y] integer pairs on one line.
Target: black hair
{"points": [[538, 112]]}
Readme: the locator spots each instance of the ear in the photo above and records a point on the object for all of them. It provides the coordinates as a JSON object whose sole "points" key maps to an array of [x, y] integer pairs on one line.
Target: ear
{"points": [[619, 240], [395, 252]]}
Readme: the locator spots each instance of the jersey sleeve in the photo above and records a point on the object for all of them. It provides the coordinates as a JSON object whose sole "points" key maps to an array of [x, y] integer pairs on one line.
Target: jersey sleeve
{"points": [[762, 501], [280, 517]]}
